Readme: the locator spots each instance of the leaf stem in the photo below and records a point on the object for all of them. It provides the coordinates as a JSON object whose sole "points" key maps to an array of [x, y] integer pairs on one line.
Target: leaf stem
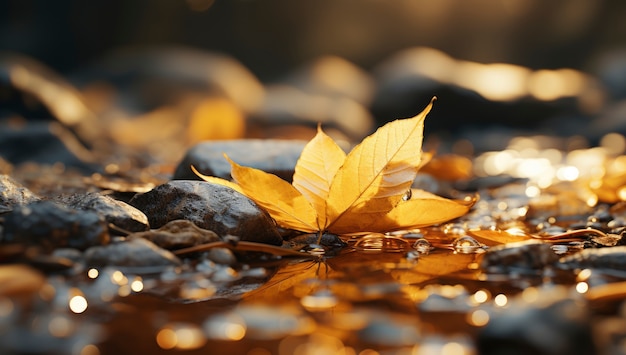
{"points": [[245, 246]]}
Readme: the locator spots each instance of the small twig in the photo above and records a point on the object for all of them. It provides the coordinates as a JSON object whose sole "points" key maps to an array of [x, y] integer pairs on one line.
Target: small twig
{"points": [[571, 235], [246, 246]]}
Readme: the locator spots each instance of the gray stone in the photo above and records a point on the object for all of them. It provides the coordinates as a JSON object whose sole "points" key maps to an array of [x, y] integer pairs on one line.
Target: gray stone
{"points": [[13, 194], [209, 206], [277, 157], [115, 212], [50, 225], [132, 253], [554, 323]]}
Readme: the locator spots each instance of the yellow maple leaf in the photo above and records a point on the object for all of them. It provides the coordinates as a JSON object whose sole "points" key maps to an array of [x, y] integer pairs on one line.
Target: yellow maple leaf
{"points": [[362, 191]]}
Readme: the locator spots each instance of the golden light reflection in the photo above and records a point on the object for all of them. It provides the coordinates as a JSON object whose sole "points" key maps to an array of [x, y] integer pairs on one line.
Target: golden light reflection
{"points": [[137, 285], [478, 318], [180, 336], [500, 300], [166, 338], [549, 85], [567, 173], [582, 287], [597, 174], [319, 301], [229, 327], [118, 278], [495, 81], [454, 348], [481, 296], [93, 273], [78, 304]]}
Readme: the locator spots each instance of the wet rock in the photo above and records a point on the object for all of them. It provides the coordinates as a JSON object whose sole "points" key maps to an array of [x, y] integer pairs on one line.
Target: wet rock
{"points": [[529, 255], [13, 194], [50, 225], [137, 252], [277, 157], [596, 258], [115, 212], [554, 323], [178, 234], [209, 206]]}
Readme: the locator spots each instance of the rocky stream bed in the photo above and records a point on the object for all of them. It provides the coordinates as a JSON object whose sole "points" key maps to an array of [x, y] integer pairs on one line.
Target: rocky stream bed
{"points": [[110, 244]]}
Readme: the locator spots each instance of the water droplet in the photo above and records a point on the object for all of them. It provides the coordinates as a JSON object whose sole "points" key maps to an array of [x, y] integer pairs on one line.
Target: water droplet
{"points": [[380, 243], [407, 195], [413, 255], [422, 246], [466, 245], [454, 228]]}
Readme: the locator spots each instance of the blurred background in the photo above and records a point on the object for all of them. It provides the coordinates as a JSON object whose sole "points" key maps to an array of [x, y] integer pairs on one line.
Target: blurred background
{"points": [[180, 71]]}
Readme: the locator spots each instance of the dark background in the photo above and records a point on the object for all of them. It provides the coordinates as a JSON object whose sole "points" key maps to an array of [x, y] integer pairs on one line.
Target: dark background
{"points": [[271, 35]]}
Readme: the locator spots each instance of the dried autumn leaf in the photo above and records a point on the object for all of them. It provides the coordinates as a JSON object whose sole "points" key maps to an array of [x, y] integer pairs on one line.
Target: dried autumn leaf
{"points": [[359, 192], [377, 173], [281, 200], [216, 180], [422, 209], [319, 162]]}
